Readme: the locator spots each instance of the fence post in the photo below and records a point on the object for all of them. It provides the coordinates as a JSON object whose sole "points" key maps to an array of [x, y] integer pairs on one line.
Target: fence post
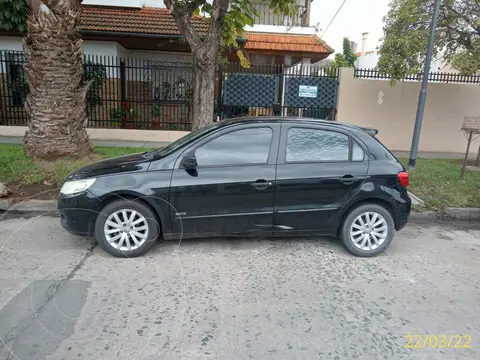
{"points": [[220, 91], [346, 79]]}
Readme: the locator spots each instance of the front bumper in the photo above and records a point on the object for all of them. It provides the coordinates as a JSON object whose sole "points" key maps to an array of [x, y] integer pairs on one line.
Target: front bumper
{"points": [[78, 212]]}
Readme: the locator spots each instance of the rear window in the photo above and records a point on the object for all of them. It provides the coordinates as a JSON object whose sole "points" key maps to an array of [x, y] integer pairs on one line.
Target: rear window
{"points": [[316, 145]]}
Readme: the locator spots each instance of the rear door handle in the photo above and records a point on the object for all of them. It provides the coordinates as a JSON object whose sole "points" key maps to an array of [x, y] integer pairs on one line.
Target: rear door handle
{"points": [[348, 179], [262, 184]]}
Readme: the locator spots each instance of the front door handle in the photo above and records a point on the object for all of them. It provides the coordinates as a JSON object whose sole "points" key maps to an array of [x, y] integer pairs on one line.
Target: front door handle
{"points": [[348, 179], [261, 184]]}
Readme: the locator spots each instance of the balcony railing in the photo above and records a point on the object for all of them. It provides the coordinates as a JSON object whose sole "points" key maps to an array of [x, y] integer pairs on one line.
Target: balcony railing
{"points": [[267, 17]]}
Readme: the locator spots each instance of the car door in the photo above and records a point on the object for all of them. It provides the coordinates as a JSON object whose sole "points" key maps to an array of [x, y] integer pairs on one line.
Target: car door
{"points": [[231, 188], [319, 169]]}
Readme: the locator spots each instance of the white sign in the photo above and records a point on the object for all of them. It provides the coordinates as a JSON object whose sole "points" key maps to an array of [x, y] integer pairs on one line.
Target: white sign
{"points": [[307, 91]]}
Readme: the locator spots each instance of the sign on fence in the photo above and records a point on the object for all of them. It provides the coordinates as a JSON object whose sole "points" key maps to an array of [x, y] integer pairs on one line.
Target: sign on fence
{"points": [[307, 91]]}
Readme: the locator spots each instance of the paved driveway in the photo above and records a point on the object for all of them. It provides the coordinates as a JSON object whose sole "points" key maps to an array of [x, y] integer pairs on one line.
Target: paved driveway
{"points": [[236, 299]]}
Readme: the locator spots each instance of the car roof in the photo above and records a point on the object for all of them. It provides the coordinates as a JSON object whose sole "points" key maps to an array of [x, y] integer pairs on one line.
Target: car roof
{"points": [[288, 119]]}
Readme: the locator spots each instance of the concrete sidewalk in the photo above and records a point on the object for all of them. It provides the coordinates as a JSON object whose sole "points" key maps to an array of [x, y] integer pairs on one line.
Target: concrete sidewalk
{"points": [[158, 144]]}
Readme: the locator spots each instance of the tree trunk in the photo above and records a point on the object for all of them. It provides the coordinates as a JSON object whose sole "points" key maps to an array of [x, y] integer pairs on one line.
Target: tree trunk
{"points": [[204, 51], [55, 105], [204, 67]]}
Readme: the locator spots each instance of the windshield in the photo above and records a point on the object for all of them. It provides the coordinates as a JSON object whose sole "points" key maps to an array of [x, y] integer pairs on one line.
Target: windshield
{"points": [[186, 139]]}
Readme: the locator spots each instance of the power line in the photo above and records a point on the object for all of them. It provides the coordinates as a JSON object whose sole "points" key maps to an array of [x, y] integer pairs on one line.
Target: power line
{"points": [[334, 16]]}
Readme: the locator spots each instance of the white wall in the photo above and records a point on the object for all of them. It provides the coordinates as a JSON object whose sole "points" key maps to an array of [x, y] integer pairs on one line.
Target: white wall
{"points": [[91, 47], [367, 61], [121, 51], [12, 43]]}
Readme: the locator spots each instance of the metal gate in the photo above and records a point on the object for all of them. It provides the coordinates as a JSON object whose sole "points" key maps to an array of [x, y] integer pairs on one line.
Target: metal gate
{"points": [[266, 90]]}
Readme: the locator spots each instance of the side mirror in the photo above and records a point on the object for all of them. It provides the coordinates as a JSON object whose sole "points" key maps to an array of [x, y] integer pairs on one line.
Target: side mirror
{"points": [[189, 161]]}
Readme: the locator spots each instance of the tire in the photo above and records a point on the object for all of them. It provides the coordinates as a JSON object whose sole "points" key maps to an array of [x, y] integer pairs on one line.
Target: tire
{"points": [[353, 234], [139, 233]]}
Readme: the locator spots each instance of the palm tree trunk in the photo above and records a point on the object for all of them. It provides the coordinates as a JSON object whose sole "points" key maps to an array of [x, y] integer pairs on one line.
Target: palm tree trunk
{"points": [[55, 105]]}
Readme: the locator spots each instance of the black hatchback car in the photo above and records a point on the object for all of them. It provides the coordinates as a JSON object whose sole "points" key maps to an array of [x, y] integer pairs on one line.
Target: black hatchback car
{"points": [[256, 176]]}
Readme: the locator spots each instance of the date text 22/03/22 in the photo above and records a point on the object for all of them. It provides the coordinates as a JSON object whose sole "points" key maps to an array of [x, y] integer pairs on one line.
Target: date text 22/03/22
{"points": [[441, 341]]}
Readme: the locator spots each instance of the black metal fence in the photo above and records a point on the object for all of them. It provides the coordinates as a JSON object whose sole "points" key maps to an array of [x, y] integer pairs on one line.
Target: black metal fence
{"points": [[13, 88], [432, 77], [137, 93], [142, 93], [128, 93]]}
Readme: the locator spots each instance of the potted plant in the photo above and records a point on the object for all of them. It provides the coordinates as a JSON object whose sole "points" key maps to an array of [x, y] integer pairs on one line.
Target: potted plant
{"points": [[157, 114]]}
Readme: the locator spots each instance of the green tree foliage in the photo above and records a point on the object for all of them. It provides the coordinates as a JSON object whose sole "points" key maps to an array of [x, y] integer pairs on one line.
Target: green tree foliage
{"points": [[13, 14], [347, 58], [406, 31]]}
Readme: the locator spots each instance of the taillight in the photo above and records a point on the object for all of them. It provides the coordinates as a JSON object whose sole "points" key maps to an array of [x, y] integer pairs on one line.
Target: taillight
{"points": [[403, 178]]}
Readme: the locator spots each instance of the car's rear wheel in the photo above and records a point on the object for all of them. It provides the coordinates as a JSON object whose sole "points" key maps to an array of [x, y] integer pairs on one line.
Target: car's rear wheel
{"points": [[126, 228], [368, 230]]}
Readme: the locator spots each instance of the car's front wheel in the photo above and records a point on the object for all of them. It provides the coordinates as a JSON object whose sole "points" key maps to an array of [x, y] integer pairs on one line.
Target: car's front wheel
{"points": [[126, 228], [368, 230]]}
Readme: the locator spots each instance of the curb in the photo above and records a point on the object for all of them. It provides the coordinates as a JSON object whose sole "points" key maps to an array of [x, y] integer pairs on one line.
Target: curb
{"points": [[468, 214], [463, 214], [28, 206]]}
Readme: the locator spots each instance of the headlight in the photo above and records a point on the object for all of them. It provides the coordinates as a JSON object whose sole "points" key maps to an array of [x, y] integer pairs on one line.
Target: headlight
{"points": [[72, 187]]}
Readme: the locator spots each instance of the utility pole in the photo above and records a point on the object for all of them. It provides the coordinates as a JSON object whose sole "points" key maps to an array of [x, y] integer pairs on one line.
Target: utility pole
{"points": [[423, 92]]}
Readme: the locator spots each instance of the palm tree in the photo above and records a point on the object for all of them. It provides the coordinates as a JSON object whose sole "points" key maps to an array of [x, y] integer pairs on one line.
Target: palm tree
{"points": [[55, 105]]}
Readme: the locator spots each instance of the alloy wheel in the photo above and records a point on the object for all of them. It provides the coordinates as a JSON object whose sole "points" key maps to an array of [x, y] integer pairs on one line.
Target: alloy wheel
{"points": [[368, 231], [126, 229]]}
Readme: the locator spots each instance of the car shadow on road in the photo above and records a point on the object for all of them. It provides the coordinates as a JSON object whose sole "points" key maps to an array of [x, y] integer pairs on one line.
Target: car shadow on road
{"points": [[254, 244], [246, 243]]}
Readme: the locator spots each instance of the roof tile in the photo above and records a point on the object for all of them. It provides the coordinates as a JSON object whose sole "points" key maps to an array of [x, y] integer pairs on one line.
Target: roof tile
{"points": [[135, 20], [294, 43], [147, 20]]}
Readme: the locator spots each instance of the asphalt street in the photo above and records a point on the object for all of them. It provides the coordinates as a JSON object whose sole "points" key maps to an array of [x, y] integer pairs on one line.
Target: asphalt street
{"points": [[64, 298]]}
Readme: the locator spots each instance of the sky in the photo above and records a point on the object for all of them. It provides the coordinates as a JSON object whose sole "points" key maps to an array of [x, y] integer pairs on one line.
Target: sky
{"points": [[355, 17]]}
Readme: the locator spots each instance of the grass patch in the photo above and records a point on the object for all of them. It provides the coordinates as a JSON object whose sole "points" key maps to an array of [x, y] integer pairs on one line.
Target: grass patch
{"points": [[437, 182], [16, 168]]}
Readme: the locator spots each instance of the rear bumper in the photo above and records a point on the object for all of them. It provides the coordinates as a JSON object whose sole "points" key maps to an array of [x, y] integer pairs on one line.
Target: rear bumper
{"points": [[78, 212], [402, 212]]}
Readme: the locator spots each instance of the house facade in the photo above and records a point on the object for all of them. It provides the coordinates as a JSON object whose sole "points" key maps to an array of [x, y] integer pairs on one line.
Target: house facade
{"points": [[152, 33]]}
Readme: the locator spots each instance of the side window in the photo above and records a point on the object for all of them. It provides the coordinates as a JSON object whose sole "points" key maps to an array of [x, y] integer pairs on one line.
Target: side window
{"points": [[314, 145], [240, 147], [357, 152]]}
